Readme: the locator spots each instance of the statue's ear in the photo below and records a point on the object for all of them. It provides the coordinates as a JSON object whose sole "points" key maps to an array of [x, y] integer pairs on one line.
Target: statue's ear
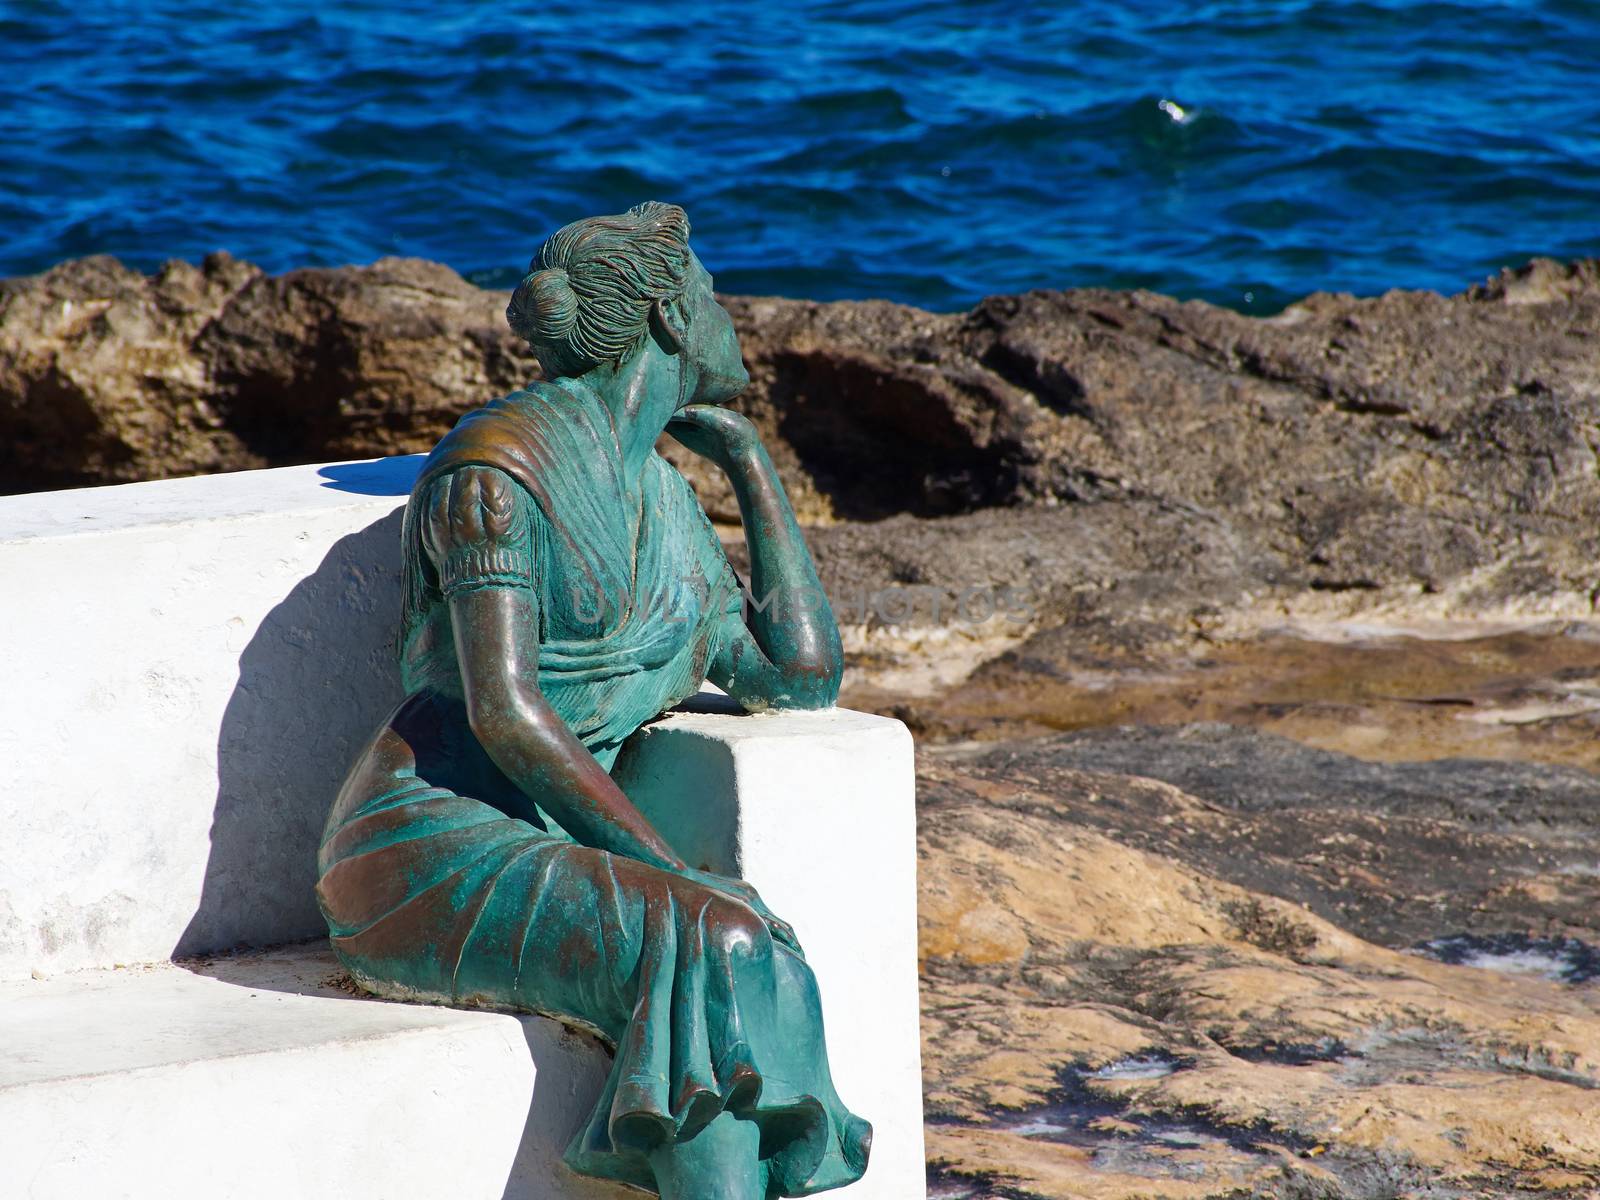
{"points": [[667, 325]]}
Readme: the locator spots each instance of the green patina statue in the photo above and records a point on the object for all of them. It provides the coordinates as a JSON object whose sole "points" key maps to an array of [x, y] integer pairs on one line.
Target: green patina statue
{"points": [[562, 587]]}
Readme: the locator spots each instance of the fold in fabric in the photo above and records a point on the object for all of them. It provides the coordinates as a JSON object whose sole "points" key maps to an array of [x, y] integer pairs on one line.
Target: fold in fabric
{"points": [[439, 897], [433, 892]]}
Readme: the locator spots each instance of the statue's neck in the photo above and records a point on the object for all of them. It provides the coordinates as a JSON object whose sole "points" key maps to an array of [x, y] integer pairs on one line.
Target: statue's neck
{"points": [[641, 397]]}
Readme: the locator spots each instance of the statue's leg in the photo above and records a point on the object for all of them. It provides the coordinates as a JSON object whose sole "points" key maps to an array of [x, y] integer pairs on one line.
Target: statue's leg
{"points": [[721, 1162], [430, 893]]}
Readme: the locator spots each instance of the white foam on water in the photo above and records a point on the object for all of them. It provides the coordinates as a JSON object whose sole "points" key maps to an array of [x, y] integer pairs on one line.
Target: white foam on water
{"points": [[1520, 962], [1135, 1068], [1543, 962], [1177, 112], [1038, 1128], [1184, 1137]]}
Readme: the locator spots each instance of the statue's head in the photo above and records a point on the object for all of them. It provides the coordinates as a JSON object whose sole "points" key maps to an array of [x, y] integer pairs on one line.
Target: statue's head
{"points": [[600, 289]]}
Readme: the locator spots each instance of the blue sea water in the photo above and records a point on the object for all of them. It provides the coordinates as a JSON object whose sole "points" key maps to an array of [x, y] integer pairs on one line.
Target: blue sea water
{"points": [[1244, 151]]}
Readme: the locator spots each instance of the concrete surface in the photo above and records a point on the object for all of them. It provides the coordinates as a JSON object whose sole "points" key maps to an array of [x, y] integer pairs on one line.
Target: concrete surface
{"points": [[190, 667], [253, 1077], [818, 810], [201, 660]]}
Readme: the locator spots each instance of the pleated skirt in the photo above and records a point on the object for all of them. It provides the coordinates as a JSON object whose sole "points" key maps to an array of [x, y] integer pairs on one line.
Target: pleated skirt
{"points": [[432, 893]]}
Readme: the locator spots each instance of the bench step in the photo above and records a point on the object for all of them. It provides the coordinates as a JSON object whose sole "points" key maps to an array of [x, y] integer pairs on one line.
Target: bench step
{"points": [[224, 650], [262, 1075]]}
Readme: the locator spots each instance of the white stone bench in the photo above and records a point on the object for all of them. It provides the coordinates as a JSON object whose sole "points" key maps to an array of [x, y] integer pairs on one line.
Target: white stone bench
{"points": [[190, 666]]}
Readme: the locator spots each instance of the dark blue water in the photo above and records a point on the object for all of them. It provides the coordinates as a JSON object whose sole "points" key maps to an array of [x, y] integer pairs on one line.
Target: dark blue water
{"points": [[1246, 152]]}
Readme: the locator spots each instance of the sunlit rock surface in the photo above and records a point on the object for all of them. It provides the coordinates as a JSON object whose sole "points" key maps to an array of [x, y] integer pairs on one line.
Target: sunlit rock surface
{"points": [[1118, 1000], [1255, 665]]}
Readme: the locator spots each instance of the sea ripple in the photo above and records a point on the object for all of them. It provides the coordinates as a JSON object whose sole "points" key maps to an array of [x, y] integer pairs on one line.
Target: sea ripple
{"points": [[1243, 151]]}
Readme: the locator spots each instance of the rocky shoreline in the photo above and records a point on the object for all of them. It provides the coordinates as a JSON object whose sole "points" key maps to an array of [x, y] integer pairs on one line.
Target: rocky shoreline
{"points": [[1259, 812]]}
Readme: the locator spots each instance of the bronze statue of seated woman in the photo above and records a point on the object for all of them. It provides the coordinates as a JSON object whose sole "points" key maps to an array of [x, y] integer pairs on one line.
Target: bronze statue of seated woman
{"points": [[562, 587]]}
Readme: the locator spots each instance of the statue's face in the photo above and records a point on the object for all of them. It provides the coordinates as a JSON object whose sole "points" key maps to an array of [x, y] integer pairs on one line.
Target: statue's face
{"points": [[710, 342]]}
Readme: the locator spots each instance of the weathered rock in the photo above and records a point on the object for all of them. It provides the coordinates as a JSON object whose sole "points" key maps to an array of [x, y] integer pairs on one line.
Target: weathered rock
{"points": [[99, 381], [1120, 1001], [1406, 442], [1377, 687], [1312, 596], [110, 376], [372, 360], [1128, 462]]}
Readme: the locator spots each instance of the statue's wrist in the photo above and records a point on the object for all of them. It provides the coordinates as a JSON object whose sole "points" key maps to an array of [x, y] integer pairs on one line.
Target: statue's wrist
{"points": [[748, 457]]}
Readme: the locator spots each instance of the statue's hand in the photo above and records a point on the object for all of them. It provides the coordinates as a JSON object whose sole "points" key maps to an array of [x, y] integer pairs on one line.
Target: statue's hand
{"points": [[744, 893], [715, 433]]}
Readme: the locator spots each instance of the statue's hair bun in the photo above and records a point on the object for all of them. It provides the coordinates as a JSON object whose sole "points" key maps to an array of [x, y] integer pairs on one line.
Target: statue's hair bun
{"points": [[544, 307], [589, 291]]}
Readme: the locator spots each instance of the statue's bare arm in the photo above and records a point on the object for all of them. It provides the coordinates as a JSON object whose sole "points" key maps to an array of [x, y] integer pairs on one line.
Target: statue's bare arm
{"points": [[527, 739], [499, 657], [784, 651]]}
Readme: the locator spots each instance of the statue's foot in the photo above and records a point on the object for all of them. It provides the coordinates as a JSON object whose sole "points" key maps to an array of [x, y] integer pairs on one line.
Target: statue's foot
{"points": [[721, 1162]]}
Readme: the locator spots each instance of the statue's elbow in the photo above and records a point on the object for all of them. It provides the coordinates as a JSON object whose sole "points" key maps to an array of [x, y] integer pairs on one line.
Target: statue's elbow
{"points": [[813, 682], [498, 716]]}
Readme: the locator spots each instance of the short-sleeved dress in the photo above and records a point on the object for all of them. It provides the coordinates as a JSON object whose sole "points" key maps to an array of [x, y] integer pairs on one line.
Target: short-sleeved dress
{"points": [[442, 881]]}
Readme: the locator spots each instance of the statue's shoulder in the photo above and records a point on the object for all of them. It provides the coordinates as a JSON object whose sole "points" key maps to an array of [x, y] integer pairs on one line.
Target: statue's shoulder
{"points": [[540, 436], [542, 396], [519, 413]]}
